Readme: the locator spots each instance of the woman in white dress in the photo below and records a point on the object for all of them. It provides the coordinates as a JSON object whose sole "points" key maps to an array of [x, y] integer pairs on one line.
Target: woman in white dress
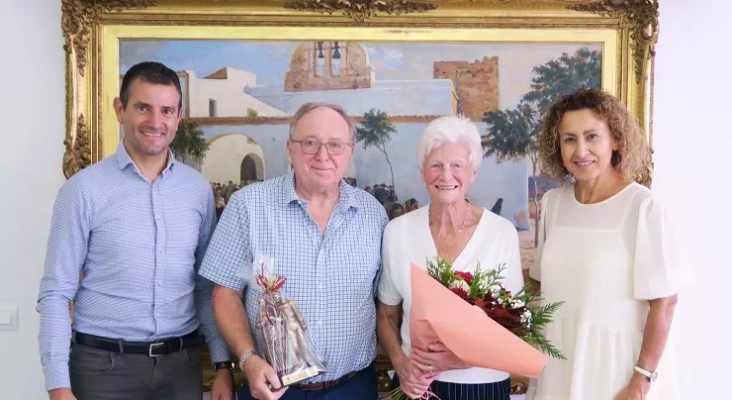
{"points": [[606, 248], [449, 155]]}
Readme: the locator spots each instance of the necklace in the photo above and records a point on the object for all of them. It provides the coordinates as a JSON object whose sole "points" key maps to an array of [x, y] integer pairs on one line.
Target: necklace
{"points": [[462, 226]]}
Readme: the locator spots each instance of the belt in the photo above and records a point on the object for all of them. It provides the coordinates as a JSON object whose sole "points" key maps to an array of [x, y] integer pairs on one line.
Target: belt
{"points": [[152, 349], [326, 384]]}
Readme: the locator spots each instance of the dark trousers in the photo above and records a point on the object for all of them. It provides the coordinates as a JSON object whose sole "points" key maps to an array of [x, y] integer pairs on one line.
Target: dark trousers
{"points": [[468, 391], [105, 375], [361, 387]]}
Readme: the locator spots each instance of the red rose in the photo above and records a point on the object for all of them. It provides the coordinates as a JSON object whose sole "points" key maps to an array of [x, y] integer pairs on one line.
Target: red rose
{"points": [[466, 276]]}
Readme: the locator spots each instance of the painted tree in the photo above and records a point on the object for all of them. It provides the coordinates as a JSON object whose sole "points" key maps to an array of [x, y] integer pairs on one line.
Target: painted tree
{"points": [[376, 130], [511, 134], [189, 142], [563, 76]]}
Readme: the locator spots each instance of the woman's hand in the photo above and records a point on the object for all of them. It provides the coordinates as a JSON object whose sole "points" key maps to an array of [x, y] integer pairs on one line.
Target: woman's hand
{"points": [[413, 382], [630, 393], [437, 358], [636, 389]]}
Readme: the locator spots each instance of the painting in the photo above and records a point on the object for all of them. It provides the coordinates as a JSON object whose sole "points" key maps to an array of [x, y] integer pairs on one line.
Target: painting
{"points": [[245, 68], [240, 95]]}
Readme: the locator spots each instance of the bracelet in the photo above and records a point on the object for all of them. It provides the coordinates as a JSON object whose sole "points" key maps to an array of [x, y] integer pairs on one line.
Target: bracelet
{"points": [[244, 357]]}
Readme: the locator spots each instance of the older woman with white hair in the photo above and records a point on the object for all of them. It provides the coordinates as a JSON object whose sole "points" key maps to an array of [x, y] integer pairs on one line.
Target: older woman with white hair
{"points": [[450, 227]]}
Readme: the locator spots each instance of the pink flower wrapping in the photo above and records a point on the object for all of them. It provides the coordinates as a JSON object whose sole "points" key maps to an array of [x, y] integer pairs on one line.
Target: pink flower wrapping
{"points": [[438, 315]]}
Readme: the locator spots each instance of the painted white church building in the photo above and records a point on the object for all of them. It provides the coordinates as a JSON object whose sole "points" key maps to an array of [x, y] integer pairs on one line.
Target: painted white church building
{"points": [[248, 124]]}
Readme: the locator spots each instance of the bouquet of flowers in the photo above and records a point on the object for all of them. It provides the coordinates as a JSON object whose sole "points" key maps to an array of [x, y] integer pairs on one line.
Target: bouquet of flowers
{"points": [[282, 335], [518, 313]]}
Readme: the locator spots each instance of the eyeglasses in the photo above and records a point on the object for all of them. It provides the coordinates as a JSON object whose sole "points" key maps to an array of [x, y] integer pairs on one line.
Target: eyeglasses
{"points": [[311, 146]]}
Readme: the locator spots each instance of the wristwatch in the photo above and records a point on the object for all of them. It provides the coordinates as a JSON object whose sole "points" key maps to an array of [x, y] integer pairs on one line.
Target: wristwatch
{"points": [[224, 365], [244, 357], [652, 376]]}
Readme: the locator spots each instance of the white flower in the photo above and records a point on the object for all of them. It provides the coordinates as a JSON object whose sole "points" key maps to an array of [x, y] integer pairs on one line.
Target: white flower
{"points": [[526, 317], [460, 284], [517, 303]]}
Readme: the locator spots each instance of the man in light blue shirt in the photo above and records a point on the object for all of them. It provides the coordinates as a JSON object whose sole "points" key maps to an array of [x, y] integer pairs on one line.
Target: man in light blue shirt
{"points": [[135, 227], [324, 235]]}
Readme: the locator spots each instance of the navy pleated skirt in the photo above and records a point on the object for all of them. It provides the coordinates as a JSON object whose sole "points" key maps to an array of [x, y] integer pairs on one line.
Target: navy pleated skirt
{"points": [[468, 391]]}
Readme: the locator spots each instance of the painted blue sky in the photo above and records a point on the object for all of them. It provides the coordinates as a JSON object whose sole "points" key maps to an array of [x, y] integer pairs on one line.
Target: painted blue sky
{"points": [[390, 61]]}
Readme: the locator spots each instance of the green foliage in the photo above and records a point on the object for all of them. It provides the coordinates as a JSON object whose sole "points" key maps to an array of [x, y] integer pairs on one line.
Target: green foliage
{"points": [[441, 270], [511, 133], [563, 76], [189, 142], [375, 131], [479, 286], [541, 316]]}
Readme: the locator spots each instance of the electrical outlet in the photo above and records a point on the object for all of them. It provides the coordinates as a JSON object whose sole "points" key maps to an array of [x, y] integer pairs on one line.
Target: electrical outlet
{"points": [[8, 317]]}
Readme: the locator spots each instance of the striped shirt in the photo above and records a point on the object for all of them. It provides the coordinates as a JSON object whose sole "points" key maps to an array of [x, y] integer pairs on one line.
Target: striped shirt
{"points": [[332, 277], [137, 245]]}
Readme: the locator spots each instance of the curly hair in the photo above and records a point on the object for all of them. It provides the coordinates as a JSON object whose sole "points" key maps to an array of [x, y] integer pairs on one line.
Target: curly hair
{"points": [[632, 158]]}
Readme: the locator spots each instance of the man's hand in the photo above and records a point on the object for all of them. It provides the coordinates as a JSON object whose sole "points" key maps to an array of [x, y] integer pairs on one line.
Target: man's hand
{"points": [[61, 394], [260, 376], [223, 385]]}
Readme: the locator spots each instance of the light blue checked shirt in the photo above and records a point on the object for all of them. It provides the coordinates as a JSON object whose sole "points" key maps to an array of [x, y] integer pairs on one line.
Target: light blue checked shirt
{"points": [[332, 277], [137, 244]]}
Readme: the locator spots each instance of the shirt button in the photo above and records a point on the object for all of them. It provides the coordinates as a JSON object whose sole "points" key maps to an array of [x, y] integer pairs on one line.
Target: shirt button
{"points": [[159, 283], [157, 216]]}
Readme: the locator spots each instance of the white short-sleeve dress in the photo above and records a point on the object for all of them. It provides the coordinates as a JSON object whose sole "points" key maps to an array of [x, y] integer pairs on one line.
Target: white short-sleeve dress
{"points": [[604, 260], [407, 239]]}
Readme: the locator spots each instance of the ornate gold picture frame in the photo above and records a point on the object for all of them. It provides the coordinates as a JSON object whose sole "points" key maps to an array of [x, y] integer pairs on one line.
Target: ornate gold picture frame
{"points": [[97, 32]]}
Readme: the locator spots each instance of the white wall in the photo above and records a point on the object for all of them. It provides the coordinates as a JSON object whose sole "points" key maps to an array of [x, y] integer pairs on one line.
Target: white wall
{"points": [[231, 101], [692, 145], [224, 158], [32, 104]]}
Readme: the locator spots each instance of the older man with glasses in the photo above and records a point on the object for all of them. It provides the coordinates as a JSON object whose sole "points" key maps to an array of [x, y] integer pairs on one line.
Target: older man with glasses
{"points": [[325, 237]]}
